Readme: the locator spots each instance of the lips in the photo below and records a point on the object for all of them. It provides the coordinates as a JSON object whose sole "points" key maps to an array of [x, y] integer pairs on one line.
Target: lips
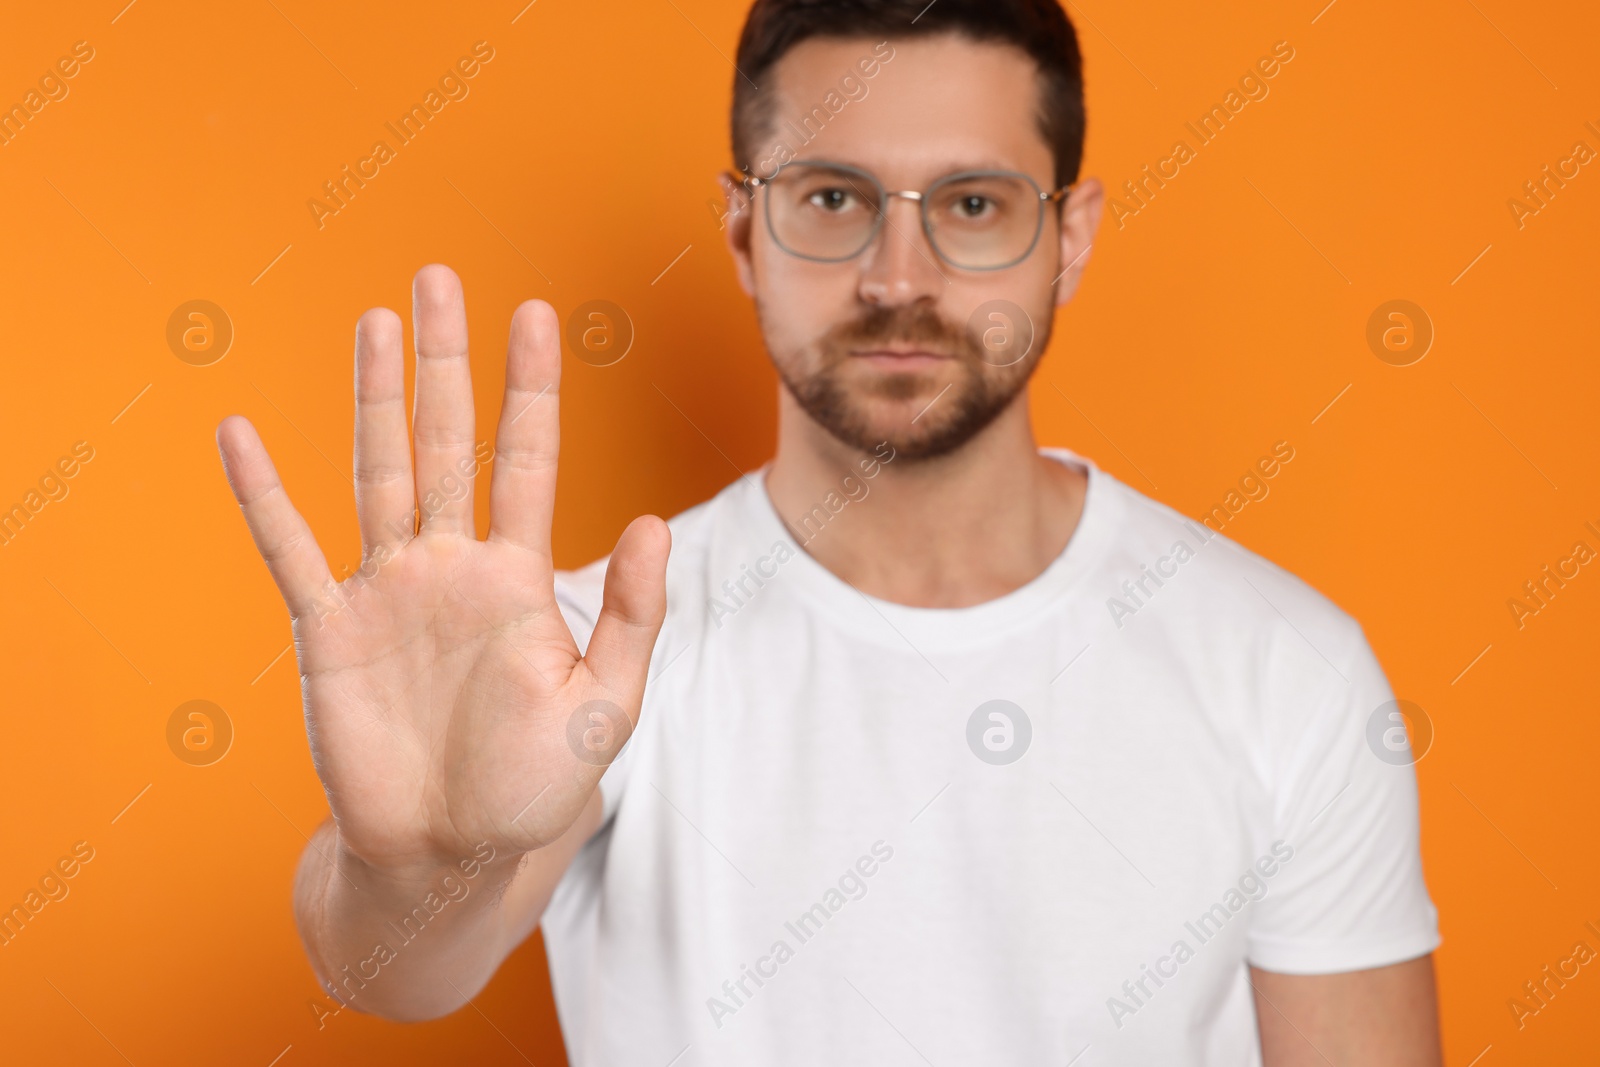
{"points": [[899, 359]]}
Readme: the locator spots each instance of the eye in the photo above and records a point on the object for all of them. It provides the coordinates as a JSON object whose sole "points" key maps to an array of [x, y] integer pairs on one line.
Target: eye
{"points": [[973, 206], [831, 199]]}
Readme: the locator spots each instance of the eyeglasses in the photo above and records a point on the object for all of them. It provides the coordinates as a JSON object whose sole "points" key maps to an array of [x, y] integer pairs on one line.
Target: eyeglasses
{"points": [[974, 219]]}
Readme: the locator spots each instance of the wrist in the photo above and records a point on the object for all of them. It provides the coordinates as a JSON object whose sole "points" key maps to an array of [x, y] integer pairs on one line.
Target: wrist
{"points": [[448, 876]]}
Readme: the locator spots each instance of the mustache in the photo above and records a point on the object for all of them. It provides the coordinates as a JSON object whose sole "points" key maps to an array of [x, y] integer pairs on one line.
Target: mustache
{"points": [[915, 324]]}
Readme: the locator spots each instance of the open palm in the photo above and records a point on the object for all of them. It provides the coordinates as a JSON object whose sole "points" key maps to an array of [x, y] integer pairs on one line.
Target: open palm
{"points": [[443, 690]]}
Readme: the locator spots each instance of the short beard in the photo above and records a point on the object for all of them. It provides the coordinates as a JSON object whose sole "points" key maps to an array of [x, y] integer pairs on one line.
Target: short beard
{"points": [[983, 391]]}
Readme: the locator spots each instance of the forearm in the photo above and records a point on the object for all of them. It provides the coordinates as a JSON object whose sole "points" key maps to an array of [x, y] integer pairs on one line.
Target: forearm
{"points": [[416, 943], [1383, 1017]]}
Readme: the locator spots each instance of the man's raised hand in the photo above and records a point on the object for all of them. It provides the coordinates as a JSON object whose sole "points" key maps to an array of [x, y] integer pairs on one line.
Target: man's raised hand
{"points": [[444, 695]]}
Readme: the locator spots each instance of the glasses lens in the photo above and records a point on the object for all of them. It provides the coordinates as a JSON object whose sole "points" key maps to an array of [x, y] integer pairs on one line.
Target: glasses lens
{"points": [[984, 221], [822, 212]]}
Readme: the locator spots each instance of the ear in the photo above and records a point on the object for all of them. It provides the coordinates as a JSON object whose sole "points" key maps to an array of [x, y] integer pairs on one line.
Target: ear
{"points": [[1080, 220], [736, 224]]}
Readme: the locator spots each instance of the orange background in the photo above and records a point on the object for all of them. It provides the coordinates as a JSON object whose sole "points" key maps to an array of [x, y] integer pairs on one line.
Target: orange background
{"points": [[1224, 317]]}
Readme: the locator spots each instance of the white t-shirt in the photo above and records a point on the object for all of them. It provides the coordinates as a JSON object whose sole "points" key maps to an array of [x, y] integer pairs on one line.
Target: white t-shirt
{"points": [[1051, 828]]}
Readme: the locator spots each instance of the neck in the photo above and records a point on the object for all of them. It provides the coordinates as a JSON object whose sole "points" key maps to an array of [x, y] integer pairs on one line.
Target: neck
{"points": [[953, 531]]}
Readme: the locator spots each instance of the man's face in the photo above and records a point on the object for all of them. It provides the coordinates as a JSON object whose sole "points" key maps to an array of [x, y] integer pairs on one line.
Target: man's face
{"points": [[889, 345]]}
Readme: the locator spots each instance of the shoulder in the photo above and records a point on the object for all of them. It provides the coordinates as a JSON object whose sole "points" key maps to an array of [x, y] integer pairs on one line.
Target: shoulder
{"points": [[1265, 654], [1164, 569]]}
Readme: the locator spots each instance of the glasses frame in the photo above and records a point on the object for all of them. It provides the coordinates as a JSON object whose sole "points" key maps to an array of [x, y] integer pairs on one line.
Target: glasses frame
{"points": [[919, 197]]}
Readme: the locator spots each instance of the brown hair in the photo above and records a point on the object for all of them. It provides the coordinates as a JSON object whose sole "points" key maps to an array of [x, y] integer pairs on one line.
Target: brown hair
{"points": [[1038, 27]]}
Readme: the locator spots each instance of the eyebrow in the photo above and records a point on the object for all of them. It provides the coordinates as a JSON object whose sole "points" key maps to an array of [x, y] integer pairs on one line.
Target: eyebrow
{"points": [[961, 168], [943, 171]]}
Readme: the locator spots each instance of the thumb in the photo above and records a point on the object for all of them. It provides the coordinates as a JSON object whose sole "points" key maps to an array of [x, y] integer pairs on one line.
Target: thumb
{"points": [[633, 608]]}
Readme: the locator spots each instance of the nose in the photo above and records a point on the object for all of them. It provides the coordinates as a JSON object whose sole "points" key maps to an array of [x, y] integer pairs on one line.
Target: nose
{"points": [[900, 266]]}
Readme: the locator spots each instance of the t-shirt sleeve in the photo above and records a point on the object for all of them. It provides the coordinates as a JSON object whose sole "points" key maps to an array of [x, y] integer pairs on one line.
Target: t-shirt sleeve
{"points": [[1352, 896]]}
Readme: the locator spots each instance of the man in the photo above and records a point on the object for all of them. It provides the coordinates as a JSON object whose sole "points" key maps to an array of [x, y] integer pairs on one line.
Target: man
{"points": [[940, 748]]}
